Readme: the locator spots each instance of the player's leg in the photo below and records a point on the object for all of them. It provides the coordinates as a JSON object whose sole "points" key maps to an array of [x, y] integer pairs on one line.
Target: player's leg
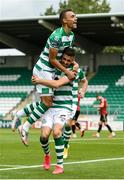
{"points": [[66, 136], [26, 111], [59, 121], [44, 141], [34, 116], [73, 127], [59, 148], [74, 120], [46, 101], [47, 124], [112, 134], [99, 127]]}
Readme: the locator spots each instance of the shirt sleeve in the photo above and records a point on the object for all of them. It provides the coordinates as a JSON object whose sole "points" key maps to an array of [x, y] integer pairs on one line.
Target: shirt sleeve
{"points": [[81, 75], [54, 41]]}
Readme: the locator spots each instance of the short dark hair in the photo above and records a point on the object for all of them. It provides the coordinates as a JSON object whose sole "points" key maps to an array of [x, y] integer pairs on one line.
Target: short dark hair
{"points": [[69, 51], [62, 15]]}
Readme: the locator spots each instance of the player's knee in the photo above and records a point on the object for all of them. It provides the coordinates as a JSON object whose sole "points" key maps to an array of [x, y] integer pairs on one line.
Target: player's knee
{"points": [[45, 135], [43, 139], [57, 133], [47, 100], [69, 123]]}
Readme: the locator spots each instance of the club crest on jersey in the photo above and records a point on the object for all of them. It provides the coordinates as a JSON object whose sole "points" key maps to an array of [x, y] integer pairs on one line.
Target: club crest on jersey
{"points": [[55, 42], [43, 121], [63, 117]]}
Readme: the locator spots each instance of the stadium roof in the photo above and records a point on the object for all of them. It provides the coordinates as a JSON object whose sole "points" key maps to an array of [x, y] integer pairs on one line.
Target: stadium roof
{"points": [[94, 31]]}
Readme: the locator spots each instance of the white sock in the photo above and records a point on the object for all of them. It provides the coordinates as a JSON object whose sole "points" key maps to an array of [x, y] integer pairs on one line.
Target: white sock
{"points": [[21, 113], [82, 129], [113, 133], [26, 126]]}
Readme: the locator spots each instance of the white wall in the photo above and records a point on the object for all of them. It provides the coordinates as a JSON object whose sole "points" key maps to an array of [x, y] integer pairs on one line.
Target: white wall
{"points": [[90, 122], [19, 61], [101, 59], [109, 59]]}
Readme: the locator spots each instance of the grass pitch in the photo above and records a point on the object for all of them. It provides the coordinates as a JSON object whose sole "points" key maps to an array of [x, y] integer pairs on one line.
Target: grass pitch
{"points": [[89, 158]]}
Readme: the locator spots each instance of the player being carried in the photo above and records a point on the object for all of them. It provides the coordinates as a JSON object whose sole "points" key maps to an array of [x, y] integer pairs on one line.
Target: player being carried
{"points": [[48, 62]]}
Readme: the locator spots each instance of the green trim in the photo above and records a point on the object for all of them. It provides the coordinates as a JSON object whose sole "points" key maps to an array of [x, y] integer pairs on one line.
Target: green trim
{"points": [[67, 93], [30, 120], [69, 102], [39, 69], [44, 107], [26, 111], [47, 63]]}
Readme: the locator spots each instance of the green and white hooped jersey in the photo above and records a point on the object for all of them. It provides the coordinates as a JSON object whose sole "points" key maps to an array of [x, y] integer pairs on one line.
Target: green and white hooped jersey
{"points": [[59, 40], [67, 96]]}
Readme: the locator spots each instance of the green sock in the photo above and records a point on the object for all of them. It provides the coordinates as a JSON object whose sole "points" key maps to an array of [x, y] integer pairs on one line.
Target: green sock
{"points": [[59, 147], [67, 135], [30, 107], [45, 145], [37, 113]]}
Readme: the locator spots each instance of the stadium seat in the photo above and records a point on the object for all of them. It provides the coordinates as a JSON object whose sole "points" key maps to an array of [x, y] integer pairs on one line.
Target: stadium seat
{"points": [[15, 86], [108, 82]]}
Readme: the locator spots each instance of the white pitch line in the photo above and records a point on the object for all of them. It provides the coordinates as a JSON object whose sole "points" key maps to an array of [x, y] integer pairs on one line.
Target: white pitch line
{"points": [[11, 165], [78, 142], [92, 139], [95, 139], [67, 163]]}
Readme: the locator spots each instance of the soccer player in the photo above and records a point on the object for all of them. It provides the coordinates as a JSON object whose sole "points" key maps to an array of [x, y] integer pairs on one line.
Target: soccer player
{"points": [[48, 62], [68, 128], [68, 57], [55, 118], [64, 102], [102, 107]]}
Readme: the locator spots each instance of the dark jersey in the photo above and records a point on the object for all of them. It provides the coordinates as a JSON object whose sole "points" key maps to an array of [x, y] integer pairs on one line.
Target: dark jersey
{"points": [[103, 110]]}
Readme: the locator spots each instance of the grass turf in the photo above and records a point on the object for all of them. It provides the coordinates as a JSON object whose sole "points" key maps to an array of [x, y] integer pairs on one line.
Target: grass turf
{"points": [[89, 158]]}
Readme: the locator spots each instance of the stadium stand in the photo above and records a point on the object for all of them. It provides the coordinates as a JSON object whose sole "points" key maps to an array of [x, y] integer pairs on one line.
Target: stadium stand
{"points": [[109, 82], [15, 86]]}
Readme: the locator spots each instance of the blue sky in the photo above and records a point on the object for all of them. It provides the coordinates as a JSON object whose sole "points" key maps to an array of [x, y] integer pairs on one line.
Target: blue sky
{"points": [[21, 8]]}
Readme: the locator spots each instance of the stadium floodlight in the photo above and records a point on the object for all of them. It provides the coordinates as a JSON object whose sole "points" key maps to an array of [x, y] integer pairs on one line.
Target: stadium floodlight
{"points": [[115, 19], [117, 22]]}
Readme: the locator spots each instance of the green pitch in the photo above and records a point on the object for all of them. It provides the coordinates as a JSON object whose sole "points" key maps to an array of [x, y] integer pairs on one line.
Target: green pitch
{"points": [[89, 158]]}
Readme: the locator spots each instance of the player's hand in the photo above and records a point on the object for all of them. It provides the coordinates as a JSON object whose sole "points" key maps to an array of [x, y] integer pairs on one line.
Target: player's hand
{"points": [[75, 66], [35, 79], [82, 94], [71, 75]]}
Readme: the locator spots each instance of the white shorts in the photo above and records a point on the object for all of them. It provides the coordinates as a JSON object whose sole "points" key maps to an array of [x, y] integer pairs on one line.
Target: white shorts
{"points": [[55, 116], [44, 90]]}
